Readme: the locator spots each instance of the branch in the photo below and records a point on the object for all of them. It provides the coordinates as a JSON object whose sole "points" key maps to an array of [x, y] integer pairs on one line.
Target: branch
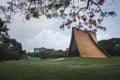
{"points": [[84, 7], [81, 9], [97, 6], [29, 4], [88, 6]]}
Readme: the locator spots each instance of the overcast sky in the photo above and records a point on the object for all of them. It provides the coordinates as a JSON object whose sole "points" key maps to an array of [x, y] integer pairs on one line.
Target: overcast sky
{"points": [[44, 32]]}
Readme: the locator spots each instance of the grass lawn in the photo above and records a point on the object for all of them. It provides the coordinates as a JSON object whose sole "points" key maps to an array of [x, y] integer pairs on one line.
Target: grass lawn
{"points": [[61, 69]]}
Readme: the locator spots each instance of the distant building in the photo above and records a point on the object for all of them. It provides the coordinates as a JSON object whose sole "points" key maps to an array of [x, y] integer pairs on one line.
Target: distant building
{"points": [[37, 50]]}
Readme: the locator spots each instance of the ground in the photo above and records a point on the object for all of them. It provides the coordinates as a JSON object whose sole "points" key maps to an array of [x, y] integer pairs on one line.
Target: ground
{"points": [[61, 69]]}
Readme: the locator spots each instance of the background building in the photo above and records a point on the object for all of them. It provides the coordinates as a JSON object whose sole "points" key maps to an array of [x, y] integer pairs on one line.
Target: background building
{"points": [[37, 50]]}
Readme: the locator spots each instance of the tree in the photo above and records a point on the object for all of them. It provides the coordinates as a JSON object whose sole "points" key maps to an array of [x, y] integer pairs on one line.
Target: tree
{"points": [[70, 10], [111, 46], [10, 50], [3, 31]]}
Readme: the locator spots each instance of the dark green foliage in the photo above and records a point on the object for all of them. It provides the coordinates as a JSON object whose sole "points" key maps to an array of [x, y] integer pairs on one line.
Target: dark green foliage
{"points": [[10, 50], [3, 31], [112, 13], [57, 54], [48, 53], [111, 46]]}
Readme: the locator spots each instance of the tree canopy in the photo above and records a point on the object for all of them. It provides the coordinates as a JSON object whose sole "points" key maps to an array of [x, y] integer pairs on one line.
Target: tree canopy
{"points": [[80, 12], [111, 46]]}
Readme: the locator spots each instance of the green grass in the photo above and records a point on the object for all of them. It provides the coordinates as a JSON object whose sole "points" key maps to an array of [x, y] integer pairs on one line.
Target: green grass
{"points": [[67, 69]]}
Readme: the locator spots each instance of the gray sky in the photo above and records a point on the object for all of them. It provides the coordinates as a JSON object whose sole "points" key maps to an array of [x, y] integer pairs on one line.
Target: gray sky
{"points": [[44, 32]]}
